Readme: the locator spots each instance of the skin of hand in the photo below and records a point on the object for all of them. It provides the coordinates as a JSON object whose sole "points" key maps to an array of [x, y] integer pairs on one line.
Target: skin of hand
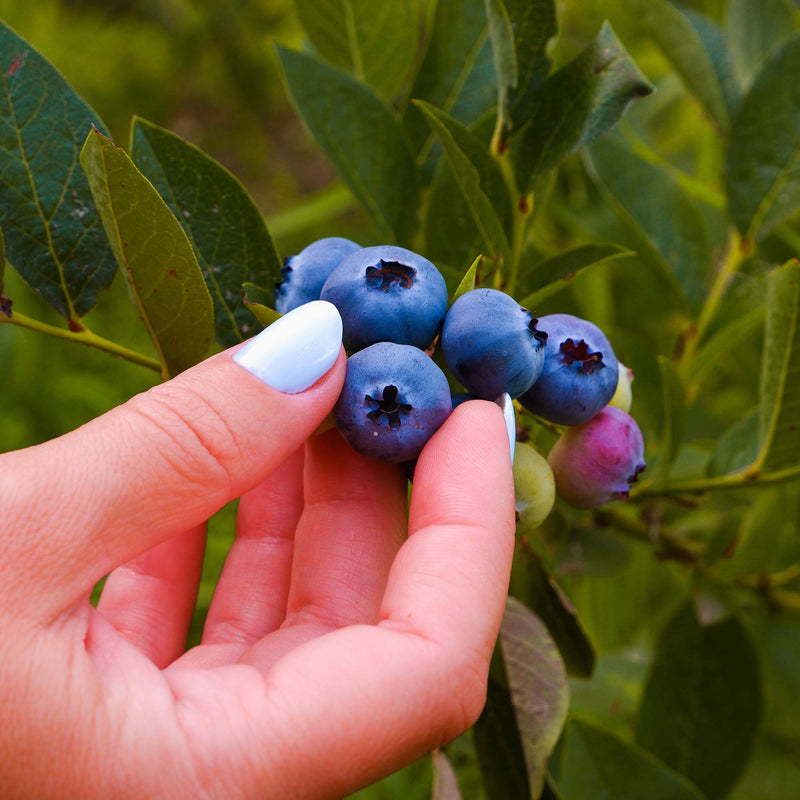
{"points": [[350, 632]]}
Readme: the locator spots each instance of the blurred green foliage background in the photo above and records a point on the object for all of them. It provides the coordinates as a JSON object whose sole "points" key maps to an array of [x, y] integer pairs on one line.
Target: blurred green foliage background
{"points": [[206, 70]]}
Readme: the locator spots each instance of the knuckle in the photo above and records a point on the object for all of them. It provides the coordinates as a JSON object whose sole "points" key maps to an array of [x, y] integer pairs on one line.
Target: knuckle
{"points": [[199, 441]]}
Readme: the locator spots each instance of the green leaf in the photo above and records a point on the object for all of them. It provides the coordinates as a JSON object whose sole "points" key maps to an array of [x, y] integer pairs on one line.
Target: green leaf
{"points": [[779, 392], [53, 234], [362, 138], [520, 30], [497, 739], [506, 64], [737, 447], [445, 783], [2, 261], [724, 343], [154, 254], [754, 31], [478, 176], [542, 280], [457, 72], [532, 585], [767, 538], [449, 233], [230, 238], [258, 302], [538, 685], [762, 164], [575, 105], [702, 701], [468, 281], [375, 42], [595, 764], [665, 220], [674, 420], [685, 41]]}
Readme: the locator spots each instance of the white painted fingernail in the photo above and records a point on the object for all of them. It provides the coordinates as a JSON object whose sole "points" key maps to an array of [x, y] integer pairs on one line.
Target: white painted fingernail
{"points": [[507, 404], [294, 352]]}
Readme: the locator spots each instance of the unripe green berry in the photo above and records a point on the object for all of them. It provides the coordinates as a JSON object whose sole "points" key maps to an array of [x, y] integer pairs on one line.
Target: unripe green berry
{"points": [[534, 487], [623, 397]]}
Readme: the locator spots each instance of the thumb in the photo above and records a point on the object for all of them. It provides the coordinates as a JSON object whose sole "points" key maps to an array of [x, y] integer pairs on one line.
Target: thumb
{"points": [[169, 458]]}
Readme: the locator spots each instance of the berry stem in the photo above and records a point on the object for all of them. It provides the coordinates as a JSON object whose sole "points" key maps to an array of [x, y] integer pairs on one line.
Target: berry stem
{"points": [[85, 337], [673, 543]]}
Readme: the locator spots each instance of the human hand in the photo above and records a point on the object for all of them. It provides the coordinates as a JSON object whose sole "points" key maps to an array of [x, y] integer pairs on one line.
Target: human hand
{"points": [[346, 636]]}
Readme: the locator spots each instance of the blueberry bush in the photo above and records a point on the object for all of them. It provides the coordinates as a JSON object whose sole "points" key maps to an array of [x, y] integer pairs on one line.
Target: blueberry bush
{"points": [[631, 163]]}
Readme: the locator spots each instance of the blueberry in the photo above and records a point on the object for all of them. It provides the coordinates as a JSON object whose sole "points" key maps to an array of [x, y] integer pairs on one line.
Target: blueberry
{"points": [[580, 372], [597, 462], [304, 273], [393, 400], [387, 294], [492, 344]]}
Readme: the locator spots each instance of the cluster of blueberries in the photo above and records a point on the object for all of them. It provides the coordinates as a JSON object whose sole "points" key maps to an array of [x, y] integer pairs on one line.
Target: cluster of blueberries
{"points": [[394, 303]]}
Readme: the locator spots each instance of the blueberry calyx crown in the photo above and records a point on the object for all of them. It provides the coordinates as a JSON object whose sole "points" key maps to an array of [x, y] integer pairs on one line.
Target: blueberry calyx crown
{"points": [[572, 352], [386, 274], [540, 336], [388, 404], [285, 270], [636, 472]]}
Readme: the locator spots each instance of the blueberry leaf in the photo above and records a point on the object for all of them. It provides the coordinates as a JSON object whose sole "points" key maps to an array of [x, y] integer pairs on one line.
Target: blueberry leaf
{"points": [[532, 585], [375, 42], [779, 392], [362, 138], [478, 176], [667, 224], [520, 30], [154, 255], [54, 237], [754, 31], [258, 301], [698, 57], [539, 280], [762, 163], [736, 449], [229, 235], [506, 65], [537, 682], [592, 763], [456, 75], [468, 282], [724, 342], [497, 739], [674, 419], [575, 105], [702, 701]]}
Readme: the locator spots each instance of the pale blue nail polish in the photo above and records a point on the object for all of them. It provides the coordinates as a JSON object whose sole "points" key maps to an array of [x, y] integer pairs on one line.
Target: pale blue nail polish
{"points": [[294, 352], [507, 404]]}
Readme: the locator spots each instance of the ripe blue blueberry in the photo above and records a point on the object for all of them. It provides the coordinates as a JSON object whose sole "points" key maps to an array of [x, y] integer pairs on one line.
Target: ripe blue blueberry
{"points": [[596, 463], [580, 372], [387, 294], [393, 400], [304, 273], [492, 344]]}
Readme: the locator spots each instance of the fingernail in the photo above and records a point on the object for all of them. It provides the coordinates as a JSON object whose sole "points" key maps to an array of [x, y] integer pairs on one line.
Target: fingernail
{"points": [[297, 350], [507, 404]]}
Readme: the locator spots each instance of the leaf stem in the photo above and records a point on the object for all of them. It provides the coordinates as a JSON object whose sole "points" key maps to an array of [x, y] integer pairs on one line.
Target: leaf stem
{"points": [[740, 480], [85, 337], [673, 543]]}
